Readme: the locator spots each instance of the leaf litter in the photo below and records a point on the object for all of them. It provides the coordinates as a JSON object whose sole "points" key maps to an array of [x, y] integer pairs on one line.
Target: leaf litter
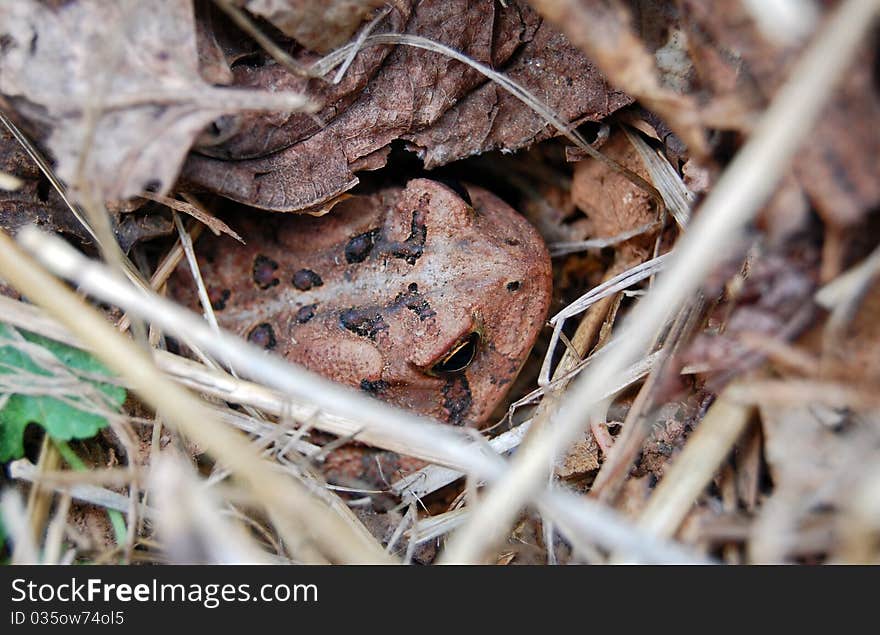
{"points": [[678, 86]]}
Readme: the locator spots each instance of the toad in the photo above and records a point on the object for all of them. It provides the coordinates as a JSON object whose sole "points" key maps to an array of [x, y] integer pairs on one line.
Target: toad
{"points": [[429, 297]]}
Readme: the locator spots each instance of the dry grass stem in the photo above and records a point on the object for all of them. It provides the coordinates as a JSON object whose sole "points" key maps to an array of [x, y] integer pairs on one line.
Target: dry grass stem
{"points": [[694, 468], [17, 525], [447, 446], [745, 185], [278, 494], [24, 470], [39, 500], [798, 391], [208, 97], [785, 21], [227, 388], [274, 51], [621, 281], [572, 247], [196, 211], [358, 43], [47, 171], [191, 523], [665, 177], [9, 182], [55, 531], [563, 127]]}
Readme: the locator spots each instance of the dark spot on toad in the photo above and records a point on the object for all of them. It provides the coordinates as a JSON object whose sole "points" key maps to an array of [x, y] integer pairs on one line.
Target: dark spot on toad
{"points": [[411, 249], [263, 335], [374, 387], [359, 247], [305, 279], [513, 286], [513, 242], [264, 272], [457, 399], [306, 313], [219, 298], [415, 302], [363, 322]]}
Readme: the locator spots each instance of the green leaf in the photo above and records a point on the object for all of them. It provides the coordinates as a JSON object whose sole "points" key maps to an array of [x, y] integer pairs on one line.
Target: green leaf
{"points": [[69, 417]]}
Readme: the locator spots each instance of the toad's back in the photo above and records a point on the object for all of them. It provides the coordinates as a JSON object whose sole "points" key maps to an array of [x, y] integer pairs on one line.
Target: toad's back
{"points": [[412, 294]]}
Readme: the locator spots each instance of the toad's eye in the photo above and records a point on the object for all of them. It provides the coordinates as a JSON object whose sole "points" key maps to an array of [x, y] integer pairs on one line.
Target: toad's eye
{"points": [[459, 356]]}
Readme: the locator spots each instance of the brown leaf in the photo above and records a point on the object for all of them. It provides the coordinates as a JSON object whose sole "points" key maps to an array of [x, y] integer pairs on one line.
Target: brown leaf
{"points": [[606, 32], [582, 458], [703, 65], [490, 118], [445, 108], [255, 134], [119, 84], [213, 65], [838, 166], [612, 203], [816, 457], [772, 297]]}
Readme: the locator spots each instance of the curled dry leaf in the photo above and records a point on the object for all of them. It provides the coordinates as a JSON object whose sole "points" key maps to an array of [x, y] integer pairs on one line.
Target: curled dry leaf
{"points": [[704, 66], [249, 135], [119, 86], [490, 118], [607, 32], [209, 220], [443, 108]]}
